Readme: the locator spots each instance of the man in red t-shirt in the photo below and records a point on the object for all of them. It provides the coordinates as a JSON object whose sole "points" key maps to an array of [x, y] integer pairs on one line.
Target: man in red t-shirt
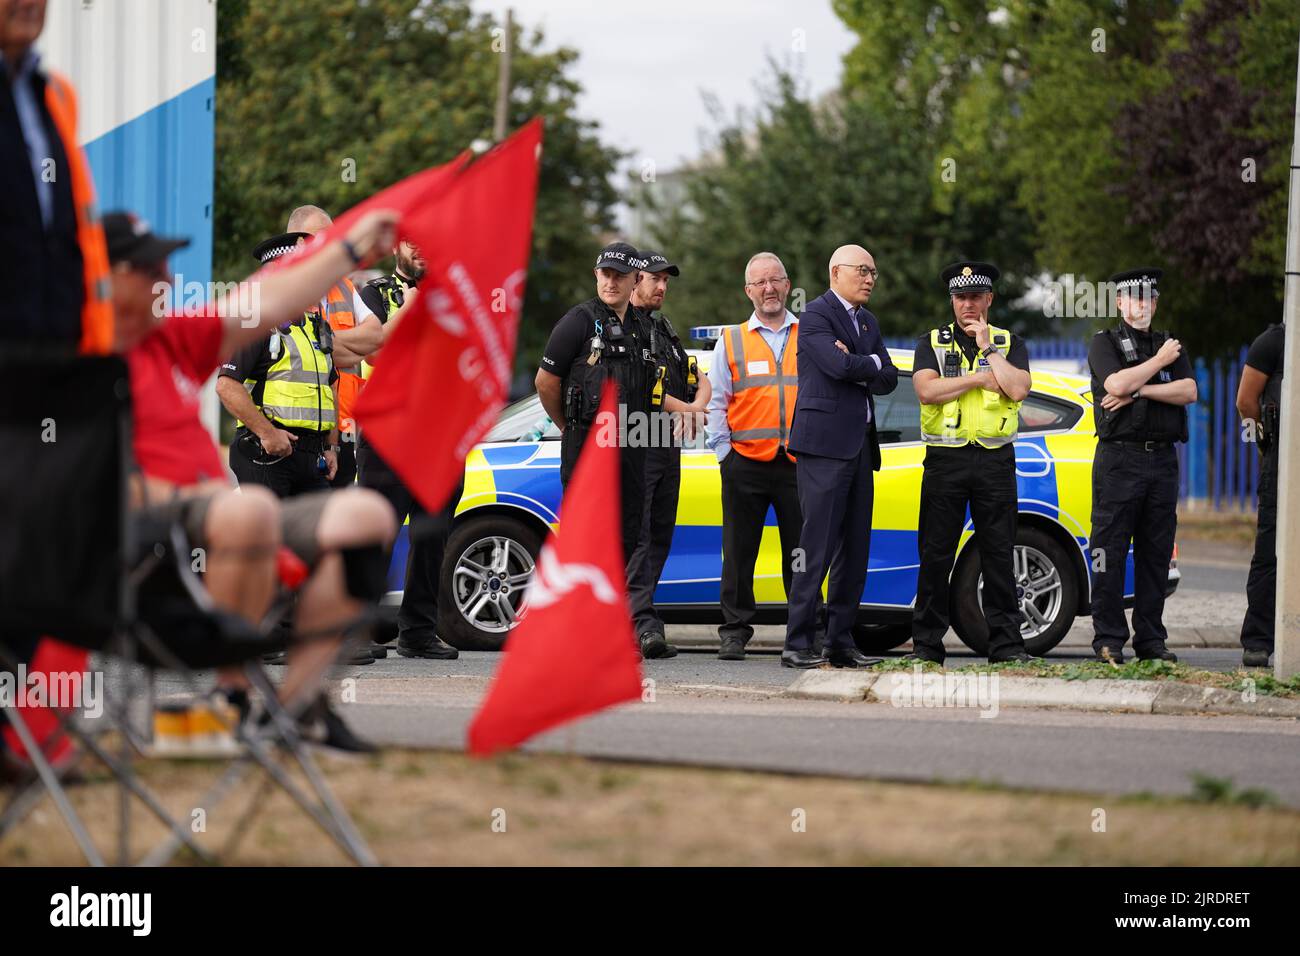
{"points": [[342, 536]]}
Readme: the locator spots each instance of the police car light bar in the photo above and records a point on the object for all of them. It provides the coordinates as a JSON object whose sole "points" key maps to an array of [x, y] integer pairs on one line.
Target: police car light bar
{"points": [[706, 333]]}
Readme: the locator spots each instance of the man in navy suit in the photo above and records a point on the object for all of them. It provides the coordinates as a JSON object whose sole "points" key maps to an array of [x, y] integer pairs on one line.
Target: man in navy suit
{"points": [[843, 363]]}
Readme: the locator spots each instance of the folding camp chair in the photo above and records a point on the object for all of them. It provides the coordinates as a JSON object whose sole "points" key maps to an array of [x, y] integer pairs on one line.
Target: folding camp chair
{"points": [[71, 568]]}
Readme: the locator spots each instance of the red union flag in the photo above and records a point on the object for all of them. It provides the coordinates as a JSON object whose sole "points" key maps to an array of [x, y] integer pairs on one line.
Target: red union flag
{"points": [[445, 371], [573, 653]]}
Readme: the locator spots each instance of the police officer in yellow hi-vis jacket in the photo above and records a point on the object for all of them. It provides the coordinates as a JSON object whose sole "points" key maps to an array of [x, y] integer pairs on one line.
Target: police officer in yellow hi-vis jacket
{"points": [[970, 378], [282, 395]]}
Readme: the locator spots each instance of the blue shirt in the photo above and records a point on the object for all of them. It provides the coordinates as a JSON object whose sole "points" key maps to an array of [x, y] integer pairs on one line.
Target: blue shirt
{"points": [[29, 118], [719, 431]]}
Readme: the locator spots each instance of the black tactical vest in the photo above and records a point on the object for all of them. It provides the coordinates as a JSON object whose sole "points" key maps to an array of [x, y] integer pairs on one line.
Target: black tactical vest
{"points": [[1144, 420], [673, 373], [618, 350]]}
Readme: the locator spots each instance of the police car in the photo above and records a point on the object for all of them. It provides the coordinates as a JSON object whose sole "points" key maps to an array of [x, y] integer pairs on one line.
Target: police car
{"points": [[512, 501]]}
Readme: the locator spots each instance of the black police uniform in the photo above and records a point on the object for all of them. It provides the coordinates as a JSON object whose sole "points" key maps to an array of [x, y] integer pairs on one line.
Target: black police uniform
{"points": [[676, 374], [417, 618], [1134, 489], [303, 470], [1257, 630], [589, 344], [983, 480]]}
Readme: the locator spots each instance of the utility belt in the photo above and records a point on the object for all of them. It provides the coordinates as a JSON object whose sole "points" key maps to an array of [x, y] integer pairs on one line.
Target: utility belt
{"points": [[308, 441], [1140, 445]]}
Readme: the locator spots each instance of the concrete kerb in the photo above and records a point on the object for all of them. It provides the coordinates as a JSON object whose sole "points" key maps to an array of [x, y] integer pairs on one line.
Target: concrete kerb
{"points": [[1128, 696]]}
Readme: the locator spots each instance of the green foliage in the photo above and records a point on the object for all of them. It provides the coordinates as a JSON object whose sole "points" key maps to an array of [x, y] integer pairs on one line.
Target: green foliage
{"points": [[1207, 789], [394, 86], [1116, 128], [800, 179]]}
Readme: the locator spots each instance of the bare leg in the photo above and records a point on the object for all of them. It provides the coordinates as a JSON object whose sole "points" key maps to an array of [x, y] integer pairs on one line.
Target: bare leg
{"points": [[354, 517], [242, 534]]}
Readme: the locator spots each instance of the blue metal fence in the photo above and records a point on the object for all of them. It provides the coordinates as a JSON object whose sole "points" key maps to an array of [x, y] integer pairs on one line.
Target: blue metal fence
{"points": [[1222, 464]]}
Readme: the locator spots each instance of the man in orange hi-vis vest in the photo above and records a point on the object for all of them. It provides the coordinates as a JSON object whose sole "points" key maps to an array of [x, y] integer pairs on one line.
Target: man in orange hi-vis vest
{"points": [[53, 259], [754, 381], [53, 262], [357, 333]]}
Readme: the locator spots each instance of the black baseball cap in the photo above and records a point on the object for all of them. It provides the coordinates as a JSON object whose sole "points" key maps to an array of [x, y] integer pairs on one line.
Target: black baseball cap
{"points": [[658, 262], [621, 257], [129, 239]]}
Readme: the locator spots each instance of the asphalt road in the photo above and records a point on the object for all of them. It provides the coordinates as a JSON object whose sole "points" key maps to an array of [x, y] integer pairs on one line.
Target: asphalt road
{"points": [[711, 713], [1221, 577]]}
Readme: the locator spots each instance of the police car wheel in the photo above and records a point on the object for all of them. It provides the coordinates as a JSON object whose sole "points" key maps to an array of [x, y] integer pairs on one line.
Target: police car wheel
{"points": [[1046, 586], [486, 569], [878, 638]]}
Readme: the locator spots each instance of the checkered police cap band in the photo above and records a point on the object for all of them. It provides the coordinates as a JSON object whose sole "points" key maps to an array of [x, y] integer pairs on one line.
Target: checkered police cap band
{"points": [[275, 252], [965, 280], [1139, 281]]}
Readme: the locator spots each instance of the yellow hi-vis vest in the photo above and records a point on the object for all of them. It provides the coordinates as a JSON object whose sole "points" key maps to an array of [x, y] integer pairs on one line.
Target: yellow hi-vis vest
{"points": [[981, 415], [297, 393]]}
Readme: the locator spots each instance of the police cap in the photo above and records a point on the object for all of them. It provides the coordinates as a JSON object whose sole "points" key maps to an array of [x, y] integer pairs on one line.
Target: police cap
{"points": [[621, 257], [968, 276], [1141, 282], [278, 246], [657, 262]]}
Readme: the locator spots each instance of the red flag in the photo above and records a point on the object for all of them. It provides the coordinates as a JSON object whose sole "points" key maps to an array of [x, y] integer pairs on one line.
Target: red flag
{"points": [[574, 652], [445, 372], [52, 660]]}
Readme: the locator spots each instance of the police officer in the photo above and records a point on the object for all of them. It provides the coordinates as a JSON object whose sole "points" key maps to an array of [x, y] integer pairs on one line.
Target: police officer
{"points": [[281, 394], [1141, 383], [417, 618], [1259, 400], [603, 338], [675, 375], [970, 378]]}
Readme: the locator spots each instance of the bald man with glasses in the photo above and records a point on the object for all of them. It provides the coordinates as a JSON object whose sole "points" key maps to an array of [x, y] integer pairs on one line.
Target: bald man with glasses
{"points": [[843, 364]]}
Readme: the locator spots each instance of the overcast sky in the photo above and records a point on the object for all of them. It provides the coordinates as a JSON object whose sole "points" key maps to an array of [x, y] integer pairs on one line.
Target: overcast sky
{"points": [[675, 51]]}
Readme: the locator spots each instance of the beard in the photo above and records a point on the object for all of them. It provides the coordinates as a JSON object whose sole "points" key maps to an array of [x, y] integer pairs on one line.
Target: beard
{"points": [[1141, 324], [409, 269]]}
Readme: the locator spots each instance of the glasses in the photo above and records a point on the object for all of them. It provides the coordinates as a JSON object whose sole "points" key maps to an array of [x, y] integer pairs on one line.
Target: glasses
{"points": [[862, 271], [763, 283]]}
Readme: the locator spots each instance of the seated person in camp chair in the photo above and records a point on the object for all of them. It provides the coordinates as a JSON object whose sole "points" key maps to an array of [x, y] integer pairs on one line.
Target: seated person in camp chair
{"points": [[342, 536]]}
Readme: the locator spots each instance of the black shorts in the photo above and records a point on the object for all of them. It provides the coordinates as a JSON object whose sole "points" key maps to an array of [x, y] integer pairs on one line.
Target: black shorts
{"points": [[299, 519]]}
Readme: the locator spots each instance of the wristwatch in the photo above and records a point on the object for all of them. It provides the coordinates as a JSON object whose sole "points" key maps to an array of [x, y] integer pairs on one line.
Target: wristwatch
{"points": [[988, 350], [1138, 393], [333, 448]]}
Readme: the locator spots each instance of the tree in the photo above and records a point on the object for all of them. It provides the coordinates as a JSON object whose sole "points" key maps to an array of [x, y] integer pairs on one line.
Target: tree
{"points": [[799, 179], [327, 103], [1117, 127]]}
